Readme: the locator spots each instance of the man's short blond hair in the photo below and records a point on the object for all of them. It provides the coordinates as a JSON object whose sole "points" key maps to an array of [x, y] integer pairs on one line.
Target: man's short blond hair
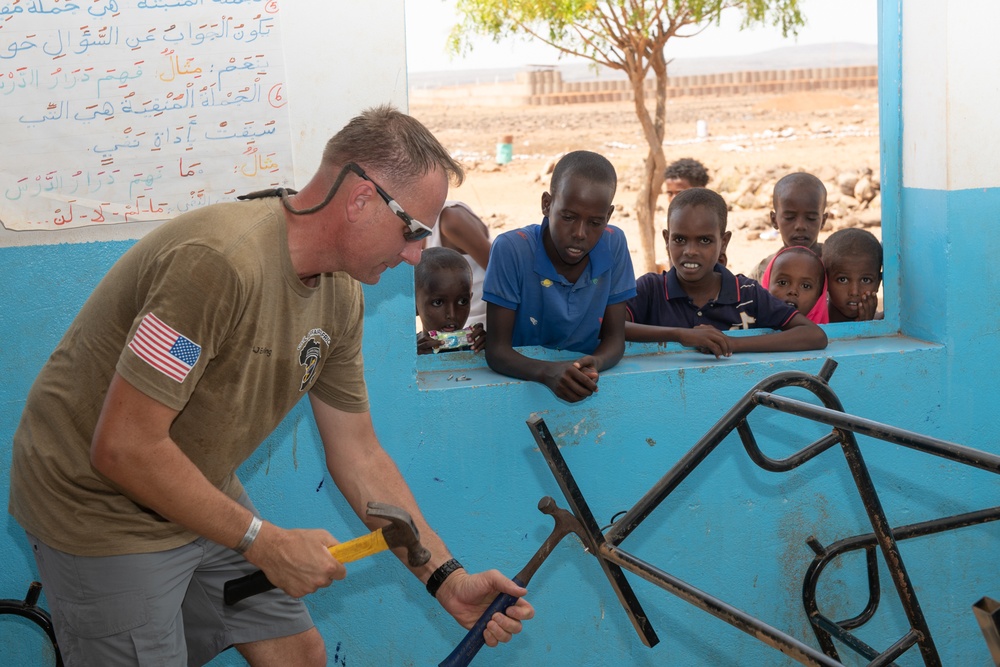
{"points": [[393, 145]]}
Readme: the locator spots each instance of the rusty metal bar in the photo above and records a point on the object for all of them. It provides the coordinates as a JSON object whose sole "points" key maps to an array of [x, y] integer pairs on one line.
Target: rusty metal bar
{"points": [[737, 618], [715, 435], [28, 608], [922, 443], [883, 538], [987, 613], [890, 551], [824, 627], [595, 540]]}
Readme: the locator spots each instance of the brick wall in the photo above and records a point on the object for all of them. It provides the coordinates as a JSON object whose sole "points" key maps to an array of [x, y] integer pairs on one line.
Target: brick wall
{"points": [[546, 87]]}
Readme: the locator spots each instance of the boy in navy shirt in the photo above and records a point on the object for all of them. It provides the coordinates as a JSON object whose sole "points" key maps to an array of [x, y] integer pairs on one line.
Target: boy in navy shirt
{"points": [[698, 299], [562, 284]]}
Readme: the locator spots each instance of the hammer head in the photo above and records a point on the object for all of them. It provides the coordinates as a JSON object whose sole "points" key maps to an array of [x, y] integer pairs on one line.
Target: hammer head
{"points": [[401, 532]]}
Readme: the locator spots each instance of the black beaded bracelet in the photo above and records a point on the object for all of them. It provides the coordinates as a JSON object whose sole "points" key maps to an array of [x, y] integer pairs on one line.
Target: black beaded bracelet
{"points": [[440, 574]]}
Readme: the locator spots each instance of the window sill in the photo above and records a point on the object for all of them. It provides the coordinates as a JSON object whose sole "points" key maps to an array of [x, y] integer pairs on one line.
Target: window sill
{"points": [[457, 370]]}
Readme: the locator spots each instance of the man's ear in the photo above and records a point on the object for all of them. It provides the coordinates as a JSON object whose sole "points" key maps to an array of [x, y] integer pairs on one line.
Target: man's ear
{"points": [[546, 202], [359, 197], [774, 219]]}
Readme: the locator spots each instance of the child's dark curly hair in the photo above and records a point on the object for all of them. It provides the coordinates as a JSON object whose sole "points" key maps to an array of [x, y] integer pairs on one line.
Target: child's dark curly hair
{"points": [[690, 170]]}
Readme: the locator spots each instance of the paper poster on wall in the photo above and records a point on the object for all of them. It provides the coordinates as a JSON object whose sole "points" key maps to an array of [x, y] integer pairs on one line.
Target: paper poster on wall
{"points": [[116, 111]]}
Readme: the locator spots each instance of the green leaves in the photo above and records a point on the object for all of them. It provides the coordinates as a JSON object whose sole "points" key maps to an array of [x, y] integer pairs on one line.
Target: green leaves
{"points": [[627, 35], [611, 32]]}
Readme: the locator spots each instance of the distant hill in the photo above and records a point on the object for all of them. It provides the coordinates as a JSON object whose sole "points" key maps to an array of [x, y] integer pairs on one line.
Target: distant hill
{"points": [[841, 54]]}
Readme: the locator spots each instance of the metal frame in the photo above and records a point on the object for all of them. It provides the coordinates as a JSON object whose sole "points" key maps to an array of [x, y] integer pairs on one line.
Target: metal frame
{"points": [[28, 608], [613, 559]]}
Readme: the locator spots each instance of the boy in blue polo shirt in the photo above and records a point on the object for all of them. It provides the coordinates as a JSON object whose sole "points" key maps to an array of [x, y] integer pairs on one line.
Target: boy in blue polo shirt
{"points": [[562, 284], [698, 299]]}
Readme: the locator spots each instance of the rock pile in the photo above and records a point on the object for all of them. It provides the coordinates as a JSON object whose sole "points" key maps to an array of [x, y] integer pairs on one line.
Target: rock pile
{"points": [[853, 197]]}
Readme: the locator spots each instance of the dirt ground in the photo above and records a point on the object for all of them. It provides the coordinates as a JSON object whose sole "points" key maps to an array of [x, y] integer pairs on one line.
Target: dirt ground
{"points": [[751, 141]]}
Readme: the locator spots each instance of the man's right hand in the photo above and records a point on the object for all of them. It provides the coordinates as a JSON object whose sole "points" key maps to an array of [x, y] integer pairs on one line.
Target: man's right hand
{"points": [[296, 561], [707, 340]]}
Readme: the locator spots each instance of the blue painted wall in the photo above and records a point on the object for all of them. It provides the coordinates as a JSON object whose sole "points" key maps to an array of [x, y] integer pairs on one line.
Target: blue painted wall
{"points": [[731, 529]]}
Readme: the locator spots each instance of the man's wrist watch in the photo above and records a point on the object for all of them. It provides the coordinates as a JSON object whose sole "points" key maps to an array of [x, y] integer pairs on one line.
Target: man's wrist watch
{"points": [[440, 574]]}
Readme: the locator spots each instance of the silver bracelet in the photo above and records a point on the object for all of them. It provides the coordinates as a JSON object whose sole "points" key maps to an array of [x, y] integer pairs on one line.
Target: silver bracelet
{"points": [[249, 536]]}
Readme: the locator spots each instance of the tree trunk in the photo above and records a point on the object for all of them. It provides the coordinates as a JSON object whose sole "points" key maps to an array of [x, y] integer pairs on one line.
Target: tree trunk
{"points": [[655, 163]]}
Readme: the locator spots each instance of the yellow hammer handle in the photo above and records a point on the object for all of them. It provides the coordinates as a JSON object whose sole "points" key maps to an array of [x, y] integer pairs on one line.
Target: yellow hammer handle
{"points": [[359, 547]]}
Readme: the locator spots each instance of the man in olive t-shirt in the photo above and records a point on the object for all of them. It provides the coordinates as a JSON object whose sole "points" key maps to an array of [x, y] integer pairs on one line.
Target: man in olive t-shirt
{"points": [[189, 352]]}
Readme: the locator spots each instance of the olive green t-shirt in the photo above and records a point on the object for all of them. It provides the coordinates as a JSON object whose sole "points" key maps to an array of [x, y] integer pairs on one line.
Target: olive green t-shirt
{"points": [[206, 315]]}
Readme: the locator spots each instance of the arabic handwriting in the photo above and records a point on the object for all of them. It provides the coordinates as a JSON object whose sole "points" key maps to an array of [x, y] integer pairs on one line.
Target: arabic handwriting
{"points": [[155, 97], [15, 48], [105, 37], [53, 111], [105, 110], [38, 7], [156, 4], [110, 7]]}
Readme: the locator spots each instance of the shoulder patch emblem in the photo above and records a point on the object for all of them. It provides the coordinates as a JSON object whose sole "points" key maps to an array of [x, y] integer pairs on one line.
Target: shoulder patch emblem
{"points": [[310, 353]]}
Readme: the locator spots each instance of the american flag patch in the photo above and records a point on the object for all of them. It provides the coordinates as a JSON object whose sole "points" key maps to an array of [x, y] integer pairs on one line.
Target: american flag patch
{"points": [[164, 349]]}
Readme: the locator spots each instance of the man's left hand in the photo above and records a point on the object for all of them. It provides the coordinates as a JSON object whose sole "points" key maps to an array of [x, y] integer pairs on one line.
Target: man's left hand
{"points": [[466, 596]]}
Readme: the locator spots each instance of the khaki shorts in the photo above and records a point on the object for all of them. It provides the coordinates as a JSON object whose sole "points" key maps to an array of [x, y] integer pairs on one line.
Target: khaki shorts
{"points": [[161, 608]]}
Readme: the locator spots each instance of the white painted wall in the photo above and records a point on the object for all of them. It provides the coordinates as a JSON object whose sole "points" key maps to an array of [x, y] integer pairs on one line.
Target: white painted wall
{"points": [[342, 56], [950, 81]]}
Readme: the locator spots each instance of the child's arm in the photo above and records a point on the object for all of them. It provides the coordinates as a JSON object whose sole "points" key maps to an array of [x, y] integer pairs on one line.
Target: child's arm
{"points": [[799, 334], [611, 348], [566, 379], [704, 338], [466, 232]]}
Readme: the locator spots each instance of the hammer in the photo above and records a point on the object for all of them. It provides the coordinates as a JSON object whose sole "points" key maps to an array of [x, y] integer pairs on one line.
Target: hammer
{"points": [[401, 532], [566, 523]]}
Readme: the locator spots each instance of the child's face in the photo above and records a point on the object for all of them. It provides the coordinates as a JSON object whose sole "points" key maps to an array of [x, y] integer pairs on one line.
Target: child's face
{"points": [[675, 185], [578, 212], [797, 279], [799, 214], [444, 304], [694, 242], [847, 278]]}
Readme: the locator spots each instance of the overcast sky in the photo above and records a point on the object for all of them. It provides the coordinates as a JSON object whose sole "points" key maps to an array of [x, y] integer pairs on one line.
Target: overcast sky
{"points": [[429, 21]]}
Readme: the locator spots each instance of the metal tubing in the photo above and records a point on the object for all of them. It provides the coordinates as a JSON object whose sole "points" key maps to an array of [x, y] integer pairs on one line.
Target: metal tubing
{"points": [[987, 612], [716, 434], [899, 436], [896, 650], [593, 538], [29, 609], [789, 463], [890, 551], [612, 558], [868, 542], [737, 618]]}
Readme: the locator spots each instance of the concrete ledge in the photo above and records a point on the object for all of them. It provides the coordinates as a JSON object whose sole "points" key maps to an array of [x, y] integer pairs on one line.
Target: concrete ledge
{"points": [[465, 370]]}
